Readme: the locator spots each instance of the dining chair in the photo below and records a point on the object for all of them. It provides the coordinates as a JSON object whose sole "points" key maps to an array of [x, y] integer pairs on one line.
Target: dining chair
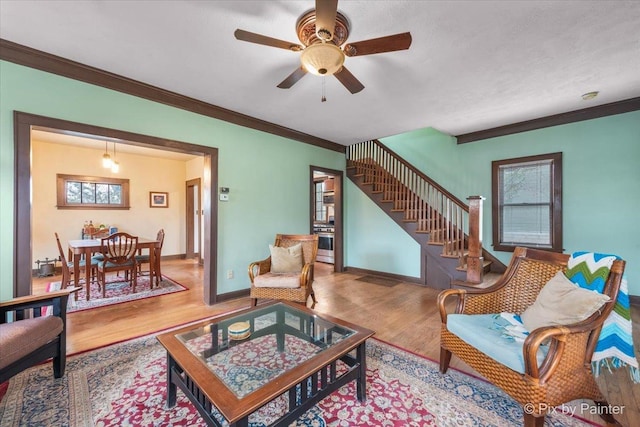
{"points": [[98, 233], [119, 252], [67, 269], [95, 234], [145, 258]]}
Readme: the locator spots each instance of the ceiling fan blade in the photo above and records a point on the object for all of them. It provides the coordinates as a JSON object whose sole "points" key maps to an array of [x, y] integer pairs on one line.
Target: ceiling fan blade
{"points": [[349, 80], [293, 78], [380, 45], [326, 11], [267, 41]]}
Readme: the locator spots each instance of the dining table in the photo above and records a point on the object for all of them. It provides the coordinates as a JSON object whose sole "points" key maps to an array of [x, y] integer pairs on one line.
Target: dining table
{"points": [[85, 248]]}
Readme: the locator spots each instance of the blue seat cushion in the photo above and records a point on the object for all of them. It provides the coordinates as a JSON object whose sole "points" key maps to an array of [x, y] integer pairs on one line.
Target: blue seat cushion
{"points": [[82, 263], [101, 264], [142, 258], [485, 332]]}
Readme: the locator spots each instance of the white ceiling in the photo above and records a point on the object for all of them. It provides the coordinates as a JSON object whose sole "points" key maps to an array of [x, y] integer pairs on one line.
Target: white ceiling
{"points": [[98, 143], [473, 65]]}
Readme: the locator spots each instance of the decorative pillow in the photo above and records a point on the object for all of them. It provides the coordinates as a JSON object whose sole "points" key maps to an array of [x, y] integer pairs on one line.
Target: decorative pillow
{"points": [[560, 302], [286, 260]]}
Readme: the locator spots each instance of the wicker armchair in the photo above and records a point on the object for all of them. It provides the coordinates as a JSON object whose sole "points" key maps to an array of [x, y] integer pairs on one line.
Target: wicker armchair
{"points": [[565, 373], [302, 281]]}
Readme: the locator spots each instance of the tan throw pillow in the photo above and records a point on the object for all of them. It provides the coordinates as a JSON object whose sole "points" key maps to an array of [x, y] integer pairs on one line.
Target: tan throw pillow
{"points": [[286, 260], [561, 302]]}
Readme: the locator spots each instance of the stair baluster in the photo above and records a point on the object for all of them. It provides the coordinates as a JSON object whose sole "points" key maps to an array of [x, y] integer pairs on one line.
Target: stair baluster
{"points": [[448, 221]]}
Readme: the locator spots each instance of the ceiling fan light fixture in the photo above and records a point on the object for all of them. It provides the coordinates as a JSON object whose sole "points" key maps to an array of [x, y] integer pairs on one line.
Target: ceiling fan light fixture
{"points": [[322, 59]]}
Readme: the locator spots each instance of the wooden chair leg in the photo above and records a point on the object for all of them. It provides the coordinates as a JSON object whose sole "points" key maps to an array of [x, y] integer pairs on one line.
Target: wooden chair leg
{"points": [[254, 302], [445, 359], [313, 301], [531, 420], [157, 268], [60, 359], [103, 276]]}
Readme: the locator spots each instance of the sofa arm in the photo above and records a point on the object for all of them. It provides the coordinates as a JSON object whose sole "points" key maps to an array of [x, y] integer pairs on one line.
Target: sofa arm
{"points": [[442, 299], [57, 299], [470, 301], [259, 267], [306, 275], [559, 337]]}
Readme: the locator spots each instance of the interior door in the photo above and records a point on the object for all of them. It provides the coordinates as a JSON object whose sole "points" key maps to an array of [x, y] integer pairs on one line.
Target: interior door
{"points": [[193, 222], [337, 175]]}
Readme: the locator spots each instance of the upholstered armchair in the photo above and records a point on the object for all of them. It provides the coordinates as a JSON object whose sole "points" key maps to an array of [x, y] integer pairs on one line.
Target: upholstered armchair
{"points": [[27, 342], [551, 365], [288, 273]]}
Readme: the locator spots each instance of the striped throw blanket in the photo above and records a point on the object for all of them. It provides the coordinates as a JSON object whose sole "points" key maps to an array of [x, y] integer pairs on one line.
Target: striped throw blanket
{"points": [[615, 346]]}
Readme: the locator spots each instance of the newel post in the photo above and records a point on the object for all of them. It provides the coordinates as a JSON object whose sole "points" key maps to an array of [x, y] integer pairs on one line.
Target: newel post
{"points": [[475, 269]]}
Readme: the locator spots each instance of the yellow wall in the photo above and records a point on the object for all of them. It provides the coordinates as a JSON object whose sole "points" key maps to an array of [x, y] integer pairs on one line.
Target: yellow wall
{"points": [[145, 174]]}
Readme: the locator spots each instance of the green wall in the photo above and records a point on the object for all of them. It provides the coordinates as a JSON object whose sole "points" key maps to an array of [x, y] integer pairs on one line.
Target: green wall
{"points": [[601, 179], [268, 175], [269, 190], [373, 240]]}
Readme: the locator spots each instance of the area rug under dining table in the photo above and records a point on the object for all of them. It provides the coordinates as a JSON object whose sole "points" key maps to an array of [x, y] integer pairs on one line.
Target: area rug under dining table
{"points": [[124, 384], [119, 291]]}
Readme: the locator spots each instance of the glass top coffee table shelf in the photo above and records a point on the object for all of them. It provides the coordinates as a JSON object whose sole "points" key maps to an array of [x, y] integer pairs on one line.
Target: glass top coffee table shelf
{"points": [[230, 367]]}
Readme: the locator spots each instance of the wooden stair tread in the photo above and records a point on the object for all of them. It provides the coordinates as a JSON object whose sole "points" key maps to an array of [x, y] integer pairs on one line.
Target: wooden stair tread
{"points": [[456, 256]]}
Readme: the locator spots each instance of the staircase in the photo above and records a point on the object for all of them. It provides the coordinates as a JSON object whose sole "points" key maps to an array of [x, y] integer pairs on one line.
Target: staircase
{"points": [[447, 229]]}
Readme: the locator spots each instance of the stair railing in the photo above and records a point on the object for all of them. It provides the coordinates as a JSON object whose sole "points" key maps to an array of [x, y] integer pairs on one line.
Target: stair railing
{"points": [[436, 211]]}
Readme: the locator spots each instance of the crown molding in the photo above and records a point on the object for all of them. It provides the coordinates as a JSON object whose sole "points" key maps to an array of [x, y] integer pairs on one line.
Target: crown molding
{"points": [[610, 109], [33, 58]]}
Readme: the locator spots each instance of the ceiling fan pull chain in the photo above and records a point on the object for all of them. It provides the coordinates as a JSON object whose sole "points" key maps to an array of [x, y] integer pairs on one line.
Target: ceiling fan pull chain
{"points": [[324, 98]]}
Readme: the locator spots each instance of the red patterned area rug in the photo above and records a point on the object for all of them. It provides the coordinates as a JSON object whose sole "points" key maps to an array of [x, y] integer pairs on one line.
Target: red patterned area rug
{"points": [[124, 384], [118, 291]]}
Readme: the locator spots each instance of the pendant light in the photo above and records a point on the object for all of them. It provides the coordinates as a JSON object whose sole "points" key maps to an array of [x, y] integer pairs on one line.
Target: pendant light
{"points": [[115, 166], [106, 158]]}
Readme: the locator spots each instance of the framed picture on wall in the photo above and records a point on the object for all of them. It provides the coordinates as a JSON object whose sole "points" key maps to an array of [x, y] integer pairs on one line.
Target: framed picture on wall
{"points": [[158, 199]]}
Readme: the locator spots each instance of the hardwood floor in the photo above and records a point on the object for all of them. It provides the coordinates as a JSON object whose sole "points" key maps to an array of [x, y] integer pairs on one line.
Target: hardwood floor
{"points": [[404, 314]]}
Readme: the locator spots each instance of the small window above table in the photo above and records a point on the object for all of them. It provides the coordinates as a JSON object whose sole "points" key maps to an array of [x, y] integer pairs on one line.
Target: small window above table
{"points": [[91, 192]]}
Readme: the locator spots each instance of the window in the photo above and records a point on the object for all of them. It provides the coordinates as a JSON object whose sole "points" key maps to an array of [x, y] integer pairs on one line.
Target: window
{"points": [[90, 192], [527, 202], [320, 208]]}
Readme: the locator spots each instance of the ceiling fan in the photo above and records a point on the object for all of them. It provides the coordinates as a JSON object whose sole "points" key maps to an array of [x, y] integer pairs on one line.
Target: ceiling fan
{"points": [[323, 32]]}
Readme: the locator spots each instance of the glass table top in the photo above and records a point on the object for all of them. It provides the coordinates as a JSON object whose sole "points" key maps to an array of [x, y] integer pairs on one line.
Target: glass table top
{"points": [[249, 350]]}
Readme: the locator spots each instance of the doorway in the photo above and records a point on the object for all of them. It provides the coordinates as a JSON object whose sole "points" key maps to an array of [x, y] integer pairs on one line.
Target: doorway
{"points": [[193, 220], [24, 122], [326, 214]]}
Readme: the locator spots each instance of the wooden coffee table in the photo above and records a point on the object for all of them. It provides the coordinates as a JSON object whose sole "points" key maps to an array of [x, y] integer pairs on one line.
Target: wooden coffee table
{"points": [[292, 355]]}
